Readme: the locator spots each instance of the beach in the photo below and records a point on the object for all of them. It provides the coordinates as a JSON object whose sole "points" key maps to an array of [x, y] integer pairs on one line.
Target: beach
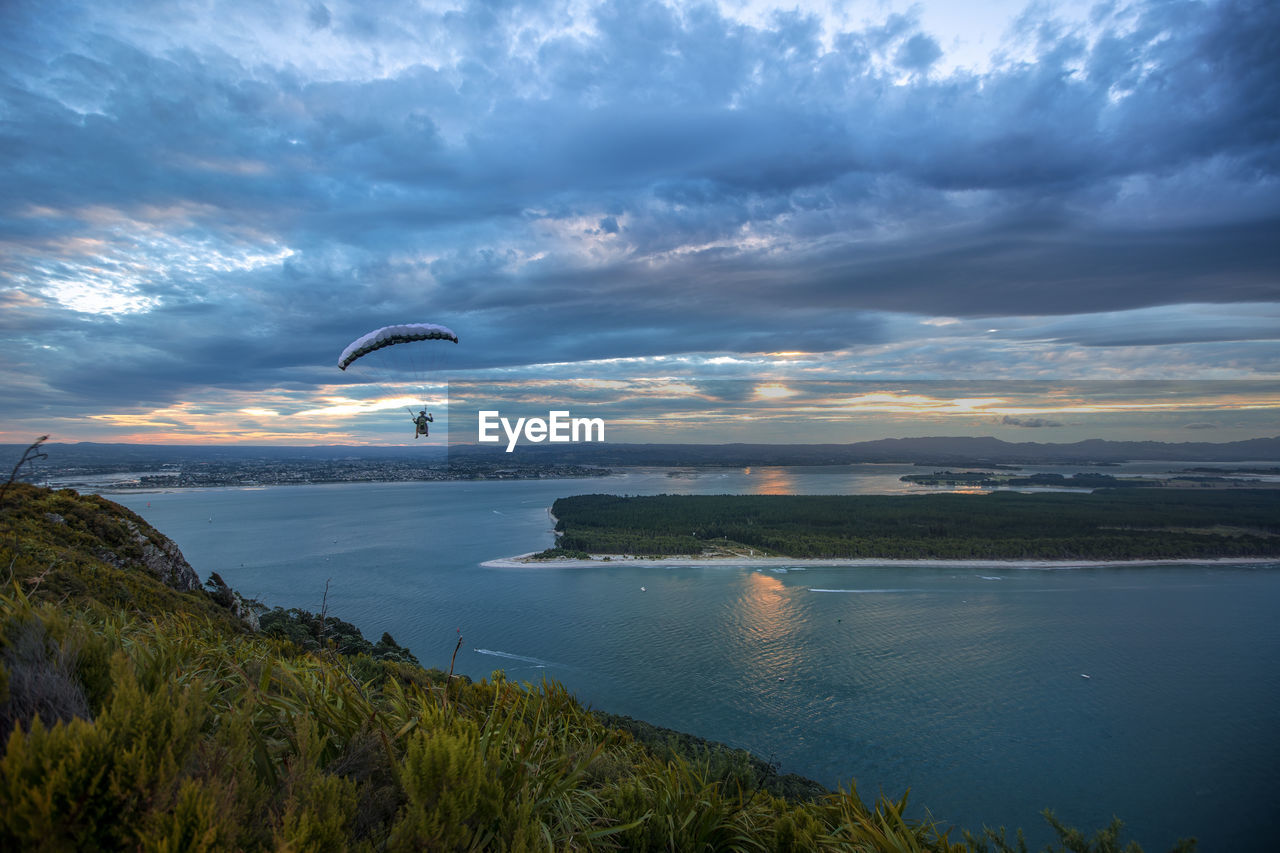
{"points": [[521, 561]]}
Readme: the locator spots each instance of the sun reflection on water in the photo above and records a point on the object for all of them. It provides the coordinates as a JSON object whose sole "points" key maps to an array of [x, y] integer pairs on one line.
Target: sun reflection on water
{"points": [[767, 626], [774, 481]]}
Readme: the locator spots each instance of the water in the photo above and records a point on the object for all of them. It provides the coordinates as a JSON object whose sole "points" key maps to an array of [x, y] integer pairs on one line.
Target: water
{"points": [[965, 685]]}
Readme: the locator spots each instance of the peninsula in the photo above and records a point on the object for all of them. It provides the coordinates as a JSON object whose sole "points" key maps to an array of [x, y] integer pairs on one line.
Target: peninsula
{"points": [[1131, 524]]}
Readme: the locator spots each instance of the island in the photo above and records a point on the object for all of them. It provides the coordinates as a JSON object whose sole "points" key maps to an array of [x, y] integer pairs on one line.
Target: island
{"points": [[990, 479], [1129, 524], [1088, 480]]}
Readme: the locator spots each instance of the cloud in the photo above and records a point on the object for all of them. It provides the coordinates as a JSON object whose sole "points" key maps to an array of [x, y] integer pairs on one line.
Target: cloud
{"points": [[918, 53], [1030, 423], [1188, 323], [319, 16], [198, 203]]}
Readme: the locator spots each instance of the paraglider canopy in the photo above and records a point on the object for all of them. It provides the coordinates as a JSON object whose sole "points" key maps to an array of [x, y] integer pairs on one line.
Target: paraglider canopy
{"points": [[391, 335], [403, 362]]}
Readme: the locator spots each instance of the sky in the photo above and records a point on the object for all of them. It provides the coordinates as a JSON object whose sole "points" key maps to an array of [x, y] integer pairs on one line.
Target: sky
{"points": [[620, 205]]}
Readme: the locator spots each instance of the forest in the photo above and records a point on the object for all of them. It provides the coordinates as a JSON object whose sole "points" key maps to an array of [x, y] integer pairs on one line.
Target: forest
{"points": [[1120, 524]]}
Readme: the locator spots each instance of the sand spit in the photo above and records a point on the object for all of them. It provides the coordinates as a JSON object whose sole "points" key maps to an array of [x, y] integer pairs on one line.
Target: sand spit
{"points": [[526, 561]]}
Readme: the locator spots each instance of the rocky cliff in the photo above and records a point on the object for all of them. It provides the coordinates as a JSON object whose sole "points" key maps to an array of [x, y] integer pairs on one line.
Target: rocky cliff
{"points": [[62, 543]]}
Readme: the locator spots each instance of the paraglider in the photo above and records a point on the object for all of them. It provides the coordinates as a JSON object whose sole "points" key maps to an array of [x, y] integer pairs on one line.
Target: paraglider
{"points": [[394, 357]]}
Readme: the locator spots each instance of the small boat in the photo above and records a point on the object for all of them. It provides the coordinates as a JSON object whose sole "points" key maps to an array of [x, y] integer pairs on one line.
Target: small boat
{"points": [[1082, 675], [642, 589]]}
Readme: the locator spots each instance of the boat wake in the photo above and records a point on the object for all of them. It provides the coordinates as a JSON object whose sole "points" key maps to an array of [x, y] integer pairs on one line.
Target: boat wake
{"points": [[864, 591], [536, 662]]}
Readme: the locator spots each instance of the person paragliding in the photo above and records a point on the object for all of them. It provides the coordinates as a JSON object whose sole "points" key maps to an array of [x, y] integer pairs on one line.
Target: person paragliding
{"points": [[421, 422], [395, 356]]}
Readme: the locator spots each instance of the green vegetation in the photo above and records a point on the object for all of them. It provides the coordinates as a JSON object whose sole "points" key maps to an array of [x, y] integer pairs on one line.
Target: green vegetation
{"points": [[561, 554], [315, 633], [735, 768], [140, 716], [1106, 525]]}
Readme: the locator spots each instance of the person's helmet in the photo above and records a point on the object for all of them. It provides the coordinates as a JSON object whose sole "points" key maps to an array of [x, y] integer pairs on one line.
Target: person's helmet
{"points": [[422, 411]]}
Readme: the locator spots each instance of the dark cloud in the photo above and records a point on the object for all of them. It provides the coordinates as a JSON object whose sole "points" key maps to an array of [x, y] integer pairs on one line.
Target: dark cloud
{"points": [[1030, 423], [248, 194], [319, 16], [918, 53]]}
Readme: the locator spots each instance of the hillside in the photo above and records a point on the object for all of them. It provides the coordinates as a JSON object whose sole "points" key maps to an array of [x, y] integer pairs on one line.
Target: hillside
{"points": [[142, 710], [91, 552]]}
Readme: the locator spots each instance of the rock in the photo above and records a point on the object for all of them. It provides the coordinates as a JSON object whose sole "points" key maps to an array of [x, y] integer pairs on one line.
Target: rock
{"points": [[164, 559], [244, 611]]}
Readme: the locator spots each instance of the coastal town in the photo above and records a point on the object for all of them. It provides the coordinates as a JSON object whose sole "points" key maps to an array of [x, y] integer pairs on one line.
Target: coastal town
{"points": [[248, 472]]}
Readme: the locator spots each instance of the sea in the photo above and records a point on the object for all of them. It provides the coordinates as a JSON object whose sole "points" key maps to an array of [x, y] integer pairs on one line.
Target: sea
{"points": [[1150, 693]]}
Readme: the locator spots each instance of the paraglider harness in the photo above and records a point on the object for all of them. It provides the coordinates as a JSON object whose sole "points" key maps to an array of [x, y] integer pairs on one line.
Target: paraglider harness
{"points": [[421, 422]]}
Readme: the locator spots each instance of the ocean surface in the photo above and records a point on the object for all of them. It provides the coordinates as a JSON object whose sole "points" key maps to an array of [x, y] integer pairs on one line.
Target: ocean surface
{"points": [[1150, 693]]}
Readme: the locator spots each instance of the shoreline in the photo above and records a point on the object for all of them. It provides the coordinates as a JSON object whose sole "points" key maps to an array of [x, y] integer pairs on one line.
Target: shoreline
{"points": [[524, 561]]}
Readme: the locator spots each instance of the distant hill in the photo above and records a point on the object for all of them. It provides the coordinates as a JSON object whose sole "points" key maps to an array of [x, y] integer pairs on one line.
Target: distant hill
{"points": [[1089, 450], [951, 450], [941, 450]]}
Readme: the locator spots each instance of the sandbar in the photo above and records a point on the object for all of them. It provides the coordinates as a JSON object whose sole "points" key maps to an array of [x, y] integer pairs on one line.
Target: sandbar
{"points": [[526, 561]]}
